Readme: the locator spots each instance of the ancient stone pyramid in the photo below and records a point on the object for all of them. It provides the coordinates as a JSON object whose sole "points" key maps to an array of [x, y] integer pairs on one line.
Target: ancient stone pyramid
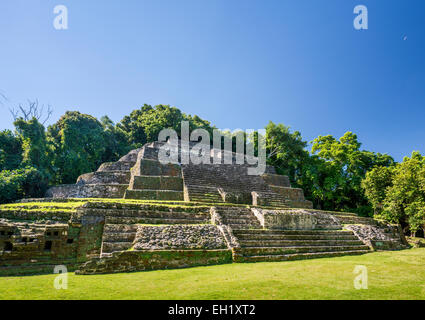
{"points": [[139, 214], [139, 175]]}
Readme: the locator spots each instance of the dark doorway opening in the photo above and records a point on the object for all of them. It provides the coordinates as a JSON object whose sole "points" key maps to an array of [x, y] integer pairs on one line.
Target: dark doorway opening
{"points": [[8, 246], [48, 245]]}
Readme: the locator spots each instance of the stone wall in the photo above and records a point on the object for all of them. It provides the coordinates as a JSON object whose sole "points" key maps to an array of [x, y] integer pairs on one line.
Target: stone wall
{"points": [[87, 191], [382, 236], [296, 219], [179, 237], [157, 183], [131, 261], [105, 177]]}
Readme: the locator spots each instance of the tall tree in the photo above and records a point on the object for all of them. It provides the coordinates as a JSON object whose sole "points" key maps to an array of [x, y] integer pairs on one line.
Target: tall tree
{"points": [[78, 144], [34, 144], [405, 198], [349, 165], [144, 125], [285, 150], [10, 151], [376, 184]]}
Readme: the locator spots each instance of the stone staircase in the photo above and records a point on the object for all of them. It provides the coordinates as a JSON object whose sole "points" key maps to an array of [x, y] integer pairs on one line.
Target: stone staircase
{"points": [[201, 193], [294, 197], [118, 237], [202, 183], [281, 245], [238, 218], [256, 244], [352, 218]]}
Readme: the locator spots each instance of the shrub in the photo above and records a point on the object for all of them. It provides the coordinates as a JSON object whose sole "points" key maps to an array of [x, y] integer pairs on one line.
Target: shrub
{"points": [[21, 183]]}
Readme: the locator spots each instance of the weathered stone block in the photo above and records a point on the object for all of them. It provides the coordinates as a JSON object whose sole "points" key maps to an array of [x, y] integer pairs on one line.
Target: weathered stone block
{"points": [[131, 261], [157, 183], [295, 220], [146, 167], [289, 193], [276, 180], [183, 237]]}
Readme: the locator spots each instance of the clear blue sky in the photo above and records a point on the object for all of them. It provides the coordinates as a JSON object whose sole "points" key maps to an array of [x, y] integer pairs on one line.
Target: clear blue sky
{"points": [[235, 63]]}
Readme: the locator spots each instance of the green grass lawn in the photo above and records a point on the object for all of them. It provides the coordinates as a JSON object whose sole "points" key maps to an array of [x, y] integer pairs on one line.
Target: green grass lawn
{"points": [[392, 275]]}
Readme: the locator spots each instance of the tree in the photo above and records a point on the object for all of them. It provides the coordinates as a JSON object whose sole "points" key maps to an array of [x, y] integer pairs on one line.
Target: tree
{"points": [[285, 150], [10, 151], [78, 145], [26, 182], [116, 141], [34, 143], [144, 125], [348, 165], [375, 186], [33, 110], [405, 198]]}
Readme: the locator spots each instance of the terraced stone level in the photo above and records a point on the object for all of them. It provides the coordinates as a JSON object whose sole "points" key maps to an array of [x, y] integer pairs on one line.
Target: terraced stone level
{"points": [[118, 237], [275, 245], [167, 195], [121, 225], [238, 218]]}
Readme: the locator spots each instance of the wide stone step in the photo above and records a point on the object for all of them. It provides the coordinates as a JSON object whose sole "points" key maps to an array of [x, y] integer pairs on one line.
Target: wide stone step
{"points": [[205, 197], [244, 226], [119, 228], [345, 214], [356, 220], [157, 183], [119, 236], [145, 220], [116, 166], [291, 243], [169, 195], [161, 214], [230, 210], [105, 177], [329, 236], [298, 256], [108, 247], [241, 220], [292, 232], [258, 251]]}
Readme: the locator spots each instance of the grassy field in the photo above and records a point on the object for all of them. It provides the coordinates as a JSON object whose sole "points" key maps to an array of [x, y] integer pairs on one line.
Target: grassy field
{"points": [[392, 275]]}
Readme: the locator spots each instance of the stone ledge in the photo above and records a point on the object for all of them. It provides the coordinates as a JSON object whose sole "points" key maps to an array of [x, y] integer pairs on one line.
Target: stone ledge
{"points": [[157, 183], [169, 195], [133, 261]]}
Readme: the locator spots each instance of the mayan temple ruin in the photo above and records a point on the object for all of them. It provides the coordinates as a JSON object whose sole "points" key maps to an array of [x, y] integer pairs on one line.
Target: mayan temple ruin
{"points": [[139, 214]]}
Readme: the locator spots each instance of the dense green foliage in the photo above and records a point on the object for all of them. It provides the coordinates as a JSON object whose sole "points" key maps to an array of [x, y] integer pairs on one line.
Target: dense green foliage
{"points": [[398, 194], [78, 143], [10, 150], [144, 124], [331, 175], [375, 185], [21, 183], [34, 145]]}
